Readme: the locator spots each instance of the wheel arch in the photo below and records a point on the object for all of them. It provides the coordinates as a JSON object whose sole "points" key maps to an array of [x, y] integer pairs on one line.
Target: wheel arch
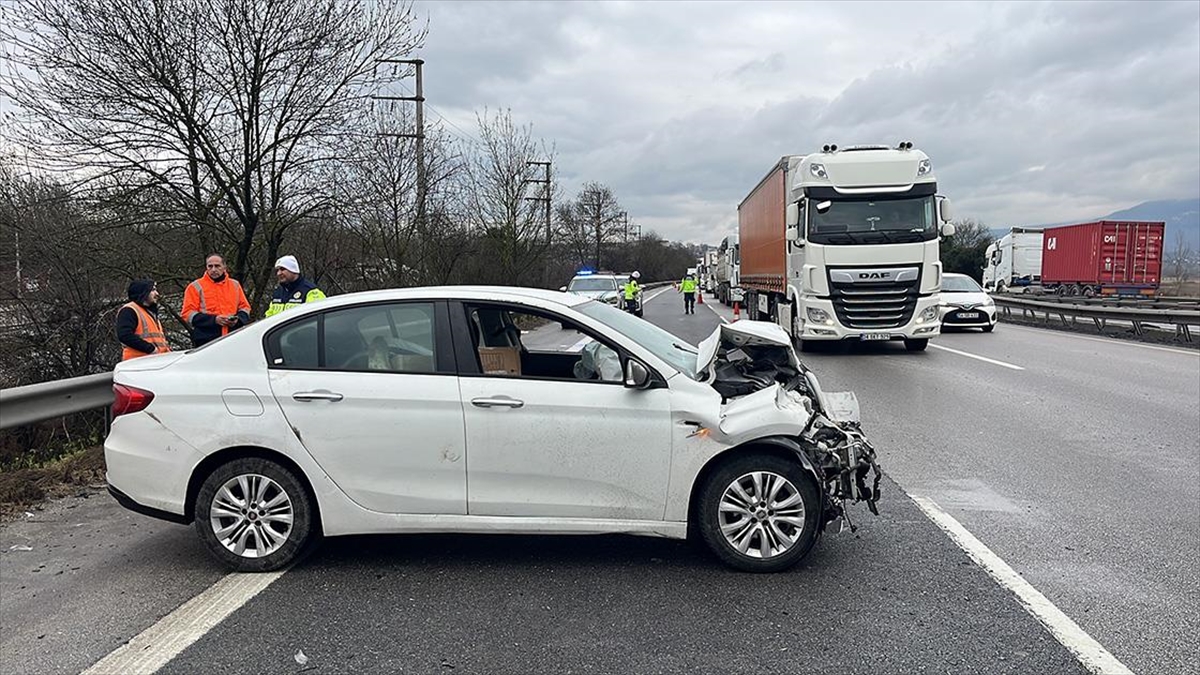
{"points": [[783, 447], [217, 459]]}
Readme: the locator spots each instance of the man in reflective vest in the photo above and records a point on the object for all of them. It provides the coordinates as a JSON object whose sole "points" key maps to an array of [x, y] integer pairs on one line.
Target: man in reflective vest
{"points": [[294, 290], [214, 304], [138, 327], [631, 292], [688, 288]]}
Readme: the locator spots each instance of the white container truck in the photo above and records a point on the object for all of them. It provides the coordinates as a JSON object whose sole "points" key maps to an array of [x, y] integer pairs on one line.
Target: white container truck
{"points": [[1015, 260], [843, 245], [729, 289]]}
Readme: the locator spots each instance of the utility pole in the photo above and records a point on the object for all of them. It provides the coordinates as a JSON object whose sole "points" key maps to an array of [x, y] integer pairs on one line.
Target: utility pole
{"points": [[419, 134], [546, 202]]}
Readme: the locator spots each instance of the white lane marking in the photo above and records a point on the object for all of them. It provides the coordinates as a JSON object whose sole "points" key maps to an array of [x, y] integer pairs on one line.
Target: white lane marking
{"points": [[660, 292], [976, 356], [714, 311], [154, 647], [1109, 341], [1084, 647]]}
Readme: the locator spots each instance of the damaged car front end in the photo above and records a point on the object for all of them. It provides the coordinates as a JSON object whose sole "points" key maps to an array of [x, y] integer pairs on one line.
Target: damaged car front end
{"points": [[770, 400]]}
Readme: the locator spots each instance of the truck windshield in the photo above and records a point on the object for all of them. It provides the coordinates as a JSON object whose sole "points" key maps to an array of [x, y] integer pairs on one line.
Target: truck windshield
{"points": [[872, 220]]}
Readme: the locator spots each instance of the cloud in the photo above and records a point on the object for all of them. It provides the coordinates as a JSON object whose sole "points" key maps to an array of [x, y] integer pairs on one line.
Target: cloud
{"points": [[1032, 112]]}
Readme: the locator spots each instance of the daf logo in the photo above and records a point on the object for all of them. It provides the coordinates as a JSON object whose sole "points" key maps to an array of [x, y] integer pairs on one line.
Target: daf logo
{"points": [[874, 275]]}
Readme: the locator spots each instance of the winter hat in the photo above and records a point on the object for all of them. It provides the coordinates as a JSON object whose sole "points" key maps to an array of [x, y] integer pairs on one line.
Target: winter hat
{"points": [[139, 289], [288, 262]]}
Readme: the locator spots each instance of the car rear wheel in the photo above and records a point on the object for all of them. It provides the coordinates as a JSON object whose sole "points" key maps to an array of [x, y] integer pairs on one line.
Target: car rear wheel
{"points": [[254, 515], [760, 513]]}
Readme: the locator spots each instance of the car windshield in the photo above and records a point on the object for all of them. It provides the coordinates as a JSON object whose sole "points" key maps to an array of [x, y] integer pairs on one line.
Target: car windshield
{"points": [[592, 284], [669, 348], [960, 285], [872, 220]]}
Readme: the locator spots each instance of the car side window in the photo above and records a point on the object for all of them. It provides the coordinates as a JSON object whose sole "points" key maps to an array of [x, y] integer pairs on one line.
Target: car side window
{"points": [[296, 345], [515, 342], [397, 338]]}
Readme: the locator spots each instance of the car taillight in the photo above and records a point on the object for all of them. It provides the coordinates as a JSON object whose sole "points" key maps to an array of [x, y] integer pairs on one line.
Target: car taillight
{"points": [[128, 399]]}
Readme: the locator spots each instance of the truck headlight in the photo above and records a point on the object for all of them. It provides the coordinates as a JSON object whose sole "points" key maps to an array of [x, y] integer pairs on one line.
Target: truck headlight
{"points": [[928, 314], [818, 170], [817, 315], [924, 167]]}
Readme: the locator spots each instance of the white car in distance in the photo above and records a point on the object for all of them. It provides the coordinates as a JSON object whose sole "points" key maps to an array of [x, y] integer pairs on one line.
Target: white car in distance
{"points": [[427, 410], [964, 304]]}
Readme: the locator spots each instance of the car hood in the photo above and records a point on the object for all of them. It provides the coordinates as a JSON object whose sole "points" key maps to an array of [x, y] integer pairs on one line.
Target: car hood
{"points": [[741, 333], [967, 300]]}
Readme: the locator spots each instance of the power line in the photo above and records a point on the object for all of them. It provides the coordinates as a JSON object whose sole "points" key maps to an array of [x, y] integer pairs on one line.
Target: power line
{"points": [[469, 136]]}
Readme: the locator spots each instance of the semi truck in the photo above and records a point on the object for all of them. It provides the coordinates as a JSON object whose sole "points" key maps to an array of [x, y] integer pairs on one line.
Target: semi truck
{"points": [[1106, 257], [1014, 261], [729, 290], [842, 244]]}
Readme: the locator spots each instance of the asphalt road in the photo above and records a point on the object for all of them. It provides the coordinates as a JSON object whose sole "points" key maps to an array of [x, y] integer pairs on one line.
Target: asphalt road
{"points": [[1080, 471]]}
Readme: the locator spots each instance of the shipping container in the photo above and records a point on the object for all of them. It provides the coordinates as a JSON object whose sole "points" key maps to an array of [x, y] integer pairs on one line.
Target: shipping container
{"points": [[761, 226], [1108, 257]]}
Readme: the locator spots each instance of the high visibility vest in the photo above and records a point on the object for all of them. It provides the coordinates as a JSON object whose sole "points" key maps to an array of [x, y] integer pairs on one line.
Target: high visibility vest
{"points": [[688, 285], [229, 299], [631, 290], [149, 329]]}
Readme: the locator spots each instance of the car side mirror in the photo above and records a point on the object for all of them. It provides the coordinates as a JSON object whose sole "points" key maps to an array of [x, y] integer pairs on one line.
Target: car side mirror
{"points": [[793, 214], [562, 288], [636, 375]]}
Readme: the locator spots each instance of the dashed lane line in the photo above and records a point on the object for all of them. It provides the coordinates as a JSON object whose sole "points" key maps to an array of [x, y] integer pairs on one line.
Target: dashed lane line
{"points": [[976, 356], [1084, 647]]}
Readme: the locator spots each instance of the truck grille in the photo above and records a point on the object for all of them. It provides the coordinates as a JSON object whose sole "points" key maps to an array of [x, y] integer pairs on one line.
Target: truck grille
{"points": [[863, 302]]}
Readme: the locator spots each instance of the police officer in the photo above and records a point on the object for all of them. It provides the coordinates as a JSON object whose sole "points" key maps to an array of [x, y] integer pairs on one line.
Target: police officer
{"points": [[631, 292], [688, 288], [294, 290]]}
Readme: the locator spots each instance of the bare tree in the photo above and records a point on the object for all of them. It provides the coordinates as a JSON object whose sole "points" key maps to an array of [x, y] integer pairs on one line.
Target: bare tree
{"points": [[230, 108], [593, 221], [1181, 261], [513, 227]]}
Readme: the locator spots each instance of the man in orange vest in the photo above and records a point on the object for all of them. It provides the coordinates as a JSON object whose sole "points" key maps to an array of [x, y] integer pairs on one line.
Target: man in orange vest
{"points": [[138, 327], [214, 304]]}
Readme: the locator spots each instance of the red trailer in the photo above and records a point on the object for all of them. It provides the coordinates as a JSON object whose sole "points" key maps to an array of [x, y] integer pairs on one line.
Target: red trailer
{"points": [[1106, 257]]}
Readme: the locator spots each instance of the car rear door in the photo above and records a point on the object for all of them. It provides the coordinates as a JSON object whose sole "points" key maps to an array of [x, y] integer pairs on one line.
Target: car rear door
{"points": [[371, 392]]}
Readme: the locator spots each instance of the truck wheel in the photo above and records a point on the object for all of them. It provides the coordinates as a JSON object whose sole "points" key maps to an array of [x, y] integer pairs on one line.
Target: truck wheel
{"points": [[808, 345], [254, 515], [917, 345], [1089, 292], [759, 513], [1001, 287]]}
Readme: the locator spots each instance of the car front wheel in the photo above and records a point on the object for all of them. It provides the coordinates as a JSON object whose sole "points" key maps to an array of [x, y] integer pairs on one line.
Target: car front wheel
{"points": [[760, 513], [254, 515]]}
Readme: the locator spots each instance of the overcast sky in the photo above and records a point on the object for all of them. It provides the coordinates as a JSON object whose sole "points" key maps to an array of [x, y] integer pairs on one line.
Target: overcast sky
{"points": [[1032, 113]]}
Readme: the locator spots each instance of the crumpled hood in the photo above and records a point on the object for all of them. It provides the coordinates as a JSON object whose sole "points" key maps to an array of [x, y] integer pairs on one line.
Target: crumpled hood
{"points": [[741, 333]]}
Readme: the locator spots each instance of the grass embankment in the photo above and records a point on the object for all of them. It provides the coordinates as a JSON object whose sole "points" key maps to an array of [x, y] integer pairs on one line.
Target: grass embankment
{"points": [[21, 489]]}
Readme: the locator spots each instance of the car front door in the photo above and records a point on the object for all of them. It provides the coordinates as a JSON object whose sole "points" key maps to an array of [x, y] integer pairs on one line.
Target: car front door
{"points": [[371, 392], [551, 429]]}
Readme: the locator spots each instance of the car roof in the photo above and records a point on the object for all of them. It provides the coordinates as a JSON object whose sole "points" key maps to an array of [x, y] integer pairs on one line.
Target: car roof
{"points": [[495, 293]]}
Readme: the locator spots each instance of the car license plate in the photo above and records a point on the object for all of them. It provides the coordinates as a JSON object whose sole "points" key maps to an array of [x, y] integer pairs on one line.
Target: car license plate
{"points": [[968, 315], [875, 336]]}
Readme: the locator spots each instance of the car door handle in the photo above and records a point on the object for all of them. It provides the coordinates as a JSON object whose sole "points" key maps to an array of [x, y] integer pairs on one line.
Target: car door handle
{"points": [[317, 396], [498, 402]]}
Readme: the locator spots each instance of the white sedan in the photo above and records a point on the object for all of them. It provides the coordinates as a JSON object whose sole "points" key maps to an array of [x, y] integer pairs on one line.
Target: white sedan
{"points": [[964, 304], [482, 409]]}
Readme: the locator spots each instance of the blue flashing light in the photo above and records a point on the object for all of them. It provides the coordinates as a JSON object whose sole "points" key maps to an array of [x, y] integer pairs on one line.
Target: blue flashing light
{"points": [[584, 273]]}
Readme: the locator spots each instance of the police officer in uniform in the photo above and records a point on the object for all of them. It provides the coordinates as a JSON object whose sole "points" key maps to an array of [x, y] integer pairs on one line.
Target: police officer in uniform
{"points": [[294, 290]]}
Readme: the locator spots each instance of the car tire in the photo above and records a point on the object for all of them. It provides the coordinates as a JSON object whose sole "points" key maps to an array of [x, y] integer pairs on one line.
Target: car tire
{"points": [[276, 542], [917, 345], [989, 328], [744, 548]]}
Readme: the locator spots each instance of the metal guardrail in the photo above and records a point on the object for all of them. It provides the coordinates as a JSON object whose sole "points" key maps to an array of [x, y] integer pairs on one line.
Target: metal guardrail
{"points": [[1181, 319], [47, 400]]}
